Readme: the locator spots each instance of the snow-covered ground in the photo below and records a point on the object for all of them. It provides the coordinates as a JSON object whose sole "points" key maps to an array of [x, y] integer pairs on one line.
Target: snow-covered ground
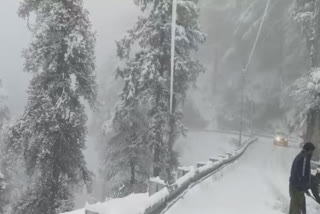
{"points": [[197, 146], [257, 183], [202, 145], [131, 204]]}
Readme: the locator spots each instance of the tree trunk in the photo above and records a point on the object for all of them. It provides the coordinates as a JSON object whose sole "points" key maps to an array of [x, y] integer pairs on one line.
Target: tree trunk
{"points": [[313, 131], [156, 148], [171, 162], [215, 71], [282, 42], [156, 160], [310, 124], [133, 173], [313, 117]]}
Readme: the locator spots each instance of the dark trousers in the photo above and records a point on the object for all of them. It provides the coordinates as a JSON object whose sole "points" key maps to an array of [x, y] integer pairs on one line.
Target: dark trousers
{"points": [[297, 202]]}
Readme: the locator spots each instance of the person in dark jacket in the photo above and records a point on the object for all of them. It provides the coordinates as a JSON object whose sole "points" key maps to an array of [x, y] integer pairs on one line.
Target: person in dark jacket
{"points": [[300, 179]]}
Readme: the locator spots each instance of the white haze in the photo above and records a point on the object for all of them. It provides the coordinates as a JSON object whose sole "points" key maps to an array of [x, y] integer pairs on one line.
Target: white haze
{"points": [[110, 20]]}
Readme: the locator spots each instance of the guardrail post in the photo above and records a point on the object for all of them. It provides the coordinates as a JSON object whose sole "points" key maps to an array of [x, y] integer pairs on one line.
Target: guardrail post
{"points": [[90, 212], [200, 164], [155, 187], [213, 159], [182, 171]]}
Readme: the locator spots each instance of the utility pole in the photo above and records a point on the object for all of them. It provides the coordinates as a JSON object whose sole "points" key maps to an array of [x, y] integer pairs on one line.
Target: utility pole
{"points": [[167, 138], [242, 105], [245, 70], [173, 38]]}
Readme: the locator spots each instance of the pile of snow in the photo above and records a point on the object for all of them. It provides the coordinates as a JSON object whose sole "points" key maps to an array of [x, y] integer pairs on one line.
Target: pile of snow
{"points": [[130, 204], [158, 180]]}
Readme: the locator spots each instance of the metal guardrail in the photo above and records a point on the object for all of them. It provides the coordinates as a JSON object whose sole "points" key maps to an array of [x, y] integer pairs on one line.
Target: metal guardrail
{"points": [[201, 175], [166, 197], [90, 212]]}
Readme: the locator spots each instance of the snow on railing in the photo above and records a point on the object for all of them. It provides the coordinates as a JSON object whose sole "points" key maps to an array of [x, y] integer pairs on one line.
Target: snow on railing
{"points": [[159, 200], [164, 194]]}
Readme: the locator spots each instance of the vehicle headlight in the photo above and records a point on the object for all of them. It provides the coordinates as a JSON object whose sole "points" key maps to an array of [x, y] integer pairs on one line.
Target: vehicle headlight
{"points": [[278, 138]]}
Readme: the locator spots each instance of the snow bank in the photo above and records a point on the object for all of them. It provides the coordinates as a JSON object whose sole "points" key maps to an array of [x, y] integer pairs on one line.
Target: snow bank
{"points": [[130, 204], [143, 204], [158, 180], [160, 199]]}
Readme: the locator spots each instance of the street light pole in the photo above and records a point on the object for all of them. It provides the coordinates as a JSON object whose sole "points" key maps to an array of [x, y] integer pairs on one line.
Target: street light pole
{"points": [[245, 70], [241, 105], [169, 123], [173, 38]]}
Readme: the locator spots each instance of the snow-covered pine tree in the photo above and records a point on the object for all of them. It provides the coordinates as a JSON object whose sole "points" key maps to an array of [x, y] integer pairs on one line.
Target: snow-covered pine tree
{"points": [[3, 187], [128, 159], [6, 187], [4, 117], [279, 57], [4, 110], [147, 75], [50, 135], [307, 88]]}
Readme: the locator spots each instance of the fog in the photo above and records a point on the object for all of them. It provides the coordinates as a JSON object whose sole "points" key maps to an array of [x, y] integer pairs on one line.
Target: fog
{"points": [[131, 138], [13, 38], [225, 53], [110, 21]]}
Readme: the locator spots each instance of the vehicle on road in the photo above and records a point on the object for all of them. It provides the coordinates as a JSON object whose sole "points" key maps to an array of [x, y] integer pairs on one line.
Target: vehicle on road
{"points": [[281, 140]]}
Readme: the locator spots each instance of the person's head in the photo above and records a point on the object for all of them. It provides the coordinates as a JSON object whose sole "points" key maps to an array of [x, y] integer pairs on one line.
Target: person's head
{"points": [[309, 148]]}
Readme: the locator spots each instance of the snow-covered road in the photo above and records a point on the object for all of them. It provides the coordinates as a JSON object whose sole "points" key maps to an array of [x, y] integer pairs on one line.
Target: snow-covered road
{"points": [[202, 145], [256, 183]]}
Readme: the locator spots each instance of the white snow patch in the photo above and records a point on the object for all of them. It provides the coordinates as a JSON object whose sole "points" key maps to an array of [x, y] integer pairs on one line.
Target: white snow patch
{"points": [[157, 180], [133, 203]]}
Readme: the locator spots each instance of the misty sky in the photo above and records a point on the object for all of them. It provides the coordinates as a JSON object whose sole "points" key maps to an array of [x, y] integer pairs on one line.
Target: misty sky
{"points": [[110, 20]]}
